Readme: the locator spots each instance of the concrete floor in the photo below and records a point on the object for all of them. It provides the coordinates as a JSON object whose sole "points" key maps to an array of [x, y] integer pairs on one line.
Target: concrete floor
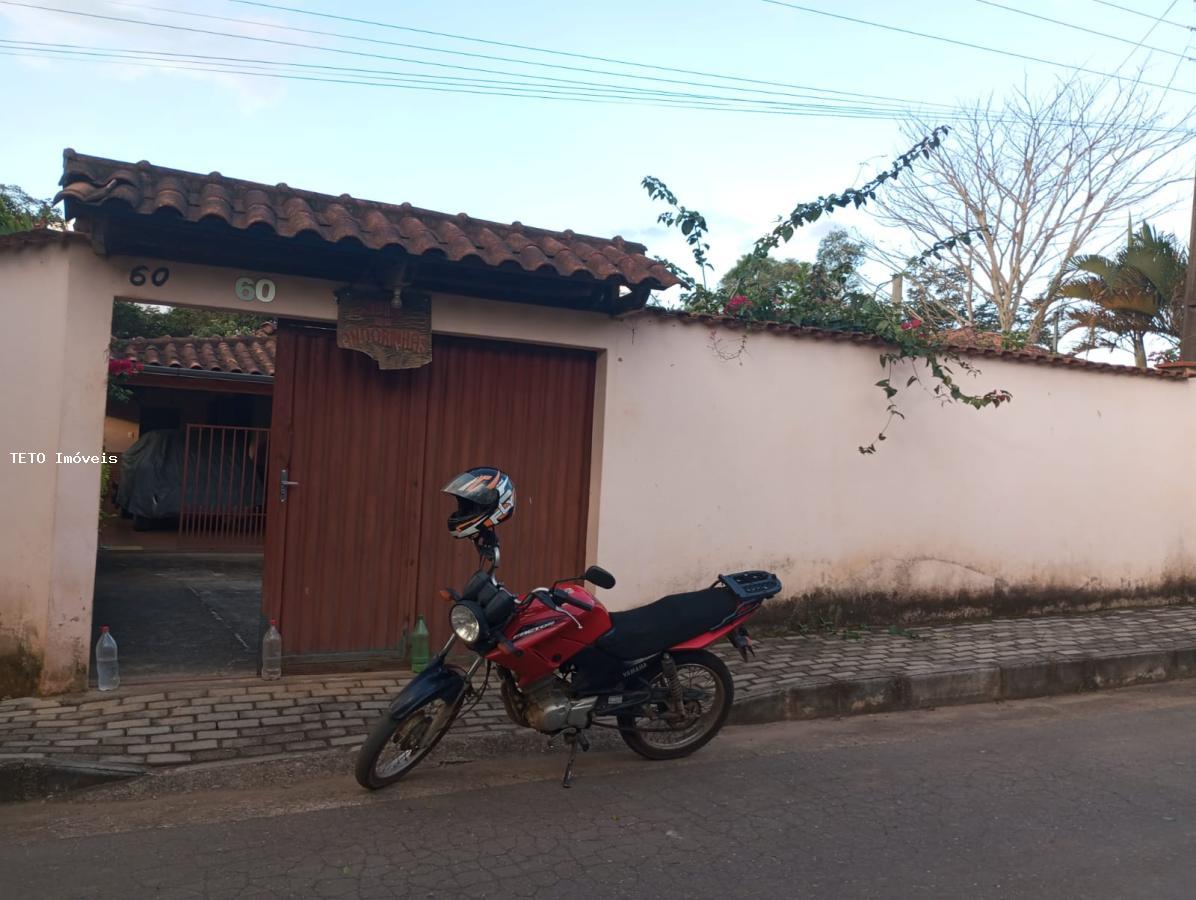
{"points": [[1090, 795], [163, 536], [179, 614]]}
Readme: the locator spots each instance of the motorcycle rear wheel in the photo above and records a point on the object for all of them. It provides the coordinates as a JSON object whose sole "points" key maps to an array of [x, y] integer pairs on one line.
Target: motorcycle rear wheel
{"points": [[394, 748], [651, 734]]}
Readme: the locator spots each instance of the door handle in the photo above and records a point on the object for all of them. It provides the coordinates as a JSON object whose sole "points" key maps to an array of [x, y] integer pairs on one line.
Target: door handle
{"points": [[283, 484]]}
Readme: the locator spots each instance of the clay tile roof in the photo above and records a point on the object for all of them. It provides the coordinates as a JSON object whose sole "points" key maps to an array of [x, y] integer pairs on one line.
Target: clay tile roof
{"points": [[971, 346], [94, 182], [241, 354]]}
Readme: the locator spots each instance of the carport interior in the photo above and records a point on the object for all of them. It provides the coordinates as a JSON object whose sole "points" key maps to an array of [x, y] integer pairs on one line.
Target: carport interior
{"points": [[178, 571]]}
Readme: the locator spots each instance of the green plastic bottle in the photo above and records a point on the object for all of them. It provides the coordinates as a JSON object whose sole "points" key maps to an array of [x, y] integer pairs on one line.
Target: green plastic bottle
{"points": [[419, 646]]}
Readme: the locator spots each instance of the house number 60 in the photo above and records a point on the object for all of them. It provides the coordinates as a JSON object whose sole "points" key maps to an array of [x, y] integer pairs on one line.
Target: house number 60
{"points": [[260, 289]]}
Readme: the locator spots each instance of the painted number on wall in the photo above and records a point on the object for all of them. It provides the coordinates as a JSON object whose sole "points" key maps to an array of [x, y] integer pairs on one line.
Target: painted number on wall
{"points": [[249, 289], [139, 275]]}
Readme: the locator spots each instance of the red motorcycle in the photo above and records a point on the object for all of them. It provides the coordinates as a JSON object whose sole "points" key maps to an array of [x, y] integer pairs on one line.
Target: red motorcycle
{"points": [[565, 664]]}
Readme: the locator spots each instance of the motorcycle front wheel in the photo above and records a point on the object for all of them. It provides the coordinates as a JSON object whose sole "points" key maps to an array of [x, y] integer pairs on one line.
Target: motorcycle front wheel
{"points": [[656, 732], [395, 747]]}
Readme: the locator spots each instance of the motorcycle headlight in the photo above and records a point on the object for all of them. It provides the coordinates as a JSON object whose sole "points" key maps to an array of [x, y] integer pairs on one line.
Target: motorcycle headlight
{"points": [[465, 623]]}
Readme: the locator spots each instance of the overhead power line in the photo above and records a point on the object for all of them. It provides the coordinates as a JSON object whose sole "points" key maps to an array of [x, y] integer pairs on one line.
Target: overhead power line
{"points": [[566, 53], [278, 42], [440, 83], [225, 70], [1145, 15], [241, 65], [687, 82], [513, 84], [1153, 25], [971, 46], [696, 101], [1138, 45], [462, 87]]}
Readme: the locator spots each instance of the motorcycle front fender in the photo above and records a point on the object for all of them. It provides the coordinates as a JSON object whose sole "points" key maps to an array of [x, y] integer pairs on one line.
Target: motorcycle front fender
{"points": [[439, 681]]}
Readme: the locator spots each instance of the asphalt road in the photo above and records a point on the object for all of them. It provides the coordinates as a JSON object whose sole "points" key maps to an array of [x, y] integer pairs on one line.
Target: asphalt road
{"points": [[1086, 796]]}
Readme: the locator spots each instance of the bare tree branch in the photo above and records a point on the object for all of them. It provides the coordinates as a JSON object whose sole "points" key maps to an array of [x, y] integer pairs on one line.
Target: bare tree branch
{"points": [[1042, 178]]}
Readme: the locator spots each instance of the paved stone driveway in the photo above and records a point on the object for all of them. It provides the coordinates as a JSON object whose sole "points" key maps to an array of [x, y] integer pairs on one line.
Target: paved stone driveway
{"points": [[797, 660], [176, 724]]}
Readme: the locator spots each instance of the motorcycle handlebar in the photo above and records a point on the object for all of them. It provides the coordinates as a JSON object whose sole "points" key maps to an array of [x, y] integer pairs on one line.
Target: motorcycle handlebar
{"points": [[564, 597]]}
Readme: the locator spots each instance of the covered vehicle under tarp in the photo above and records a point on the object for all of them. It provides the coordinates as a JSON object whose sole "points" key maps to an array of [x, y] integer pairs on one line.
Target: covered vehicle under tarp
{"points": [[151, 484]]}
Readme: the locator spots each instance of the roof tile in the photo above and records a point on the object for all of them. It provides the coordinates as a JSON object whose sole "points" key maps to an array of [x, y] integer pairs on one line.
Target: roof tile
{"points": [[94, 182], [249, 354], [1035, 356], [299, 218]]}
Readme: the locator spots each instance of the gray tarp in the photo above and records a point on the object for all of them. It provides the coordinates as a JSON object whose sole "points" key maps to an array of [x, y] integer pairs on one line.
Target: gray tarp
{"points": [[222, 478]]}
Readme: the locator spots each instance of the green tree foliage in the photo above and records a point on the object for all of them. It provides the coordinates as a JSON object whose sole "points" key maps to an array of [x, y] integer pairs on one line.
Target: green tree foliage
{"points": [[941, 293], [769, 281], [131, 320], [837, 265], [21, 212], [765, 288], [1133, 294], [809, 212], [826, 293]]}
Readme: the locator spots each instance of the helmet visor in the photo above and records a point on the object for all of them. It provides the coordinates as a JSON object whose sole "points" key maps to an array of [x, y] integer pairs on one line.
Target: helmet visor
{"points": [[479, 488]]}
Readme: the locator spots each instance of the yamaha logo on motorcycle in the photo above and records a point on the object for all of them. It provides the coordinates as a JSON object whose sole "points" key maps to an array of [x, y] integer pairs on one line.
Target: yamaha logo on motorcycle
{"points": [[563, 662], [638, 667]]}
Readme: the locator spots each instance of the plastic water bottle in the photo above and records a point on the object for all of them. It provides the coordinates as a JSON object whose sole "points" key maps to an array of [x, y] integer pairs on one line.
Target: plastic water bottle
{"points": [[272, 652], [107, 671], [419, 646]]}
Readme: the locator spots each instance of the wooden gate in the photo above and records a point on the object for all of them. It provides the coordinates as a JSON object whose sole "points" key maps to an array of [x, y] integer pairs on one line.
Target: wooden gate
{"points": [[359, 546]]}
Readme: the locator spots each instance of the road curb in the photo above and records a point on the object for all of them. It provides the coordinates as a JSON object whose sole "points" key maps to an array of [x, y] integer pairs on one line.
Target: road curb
{"points": [[824, 697]]}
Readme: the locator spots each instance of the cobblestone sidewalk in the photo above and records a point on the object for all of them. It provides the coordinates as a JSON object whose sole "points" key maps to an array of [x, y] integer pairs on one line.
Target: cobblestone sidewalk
{"points": [[791, 677]]}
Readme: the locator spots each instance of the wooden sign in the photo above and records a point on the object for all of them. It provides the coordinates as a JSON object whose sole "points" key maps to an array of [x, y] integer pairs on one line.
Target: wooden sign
{"points": [[393, 328]]}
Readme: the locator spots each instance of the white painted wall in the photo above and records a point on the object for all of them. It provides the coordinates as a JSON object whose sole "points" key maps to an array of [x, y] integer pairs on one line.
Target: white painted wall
{"points": [[709, 464], [701, 464], [719, 465], [33, 292]]}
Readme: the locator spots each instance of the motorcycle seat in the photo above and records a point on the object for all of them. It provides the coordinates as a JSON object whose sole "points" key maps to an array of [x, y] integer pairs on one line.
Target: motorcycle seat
{"points": [[671, 620]]}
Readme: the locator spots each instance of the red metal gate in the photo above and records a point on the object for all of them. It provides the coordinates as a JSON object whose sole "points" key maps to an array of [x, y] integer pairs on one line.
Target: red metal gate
{"points": [[223, 498]]}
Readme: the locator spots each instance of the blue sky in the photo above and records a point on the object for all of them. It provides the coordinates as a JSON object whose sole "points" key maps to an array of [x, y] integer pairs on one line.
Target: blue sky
{"points": [[551, 163]]}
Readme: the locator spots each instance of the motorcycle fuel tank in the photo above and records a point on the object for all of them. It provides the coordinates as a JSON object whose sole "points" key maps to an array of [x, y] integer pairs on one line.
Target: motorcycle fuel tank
{"points": [[544, 638]]}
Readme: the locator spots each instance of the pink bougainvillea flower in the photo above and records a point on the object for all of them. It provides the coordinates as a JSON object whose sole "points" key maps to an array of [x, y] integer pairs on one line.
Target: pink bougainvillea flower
{"points": [[124, 367], [911, 324], [738, 302]]}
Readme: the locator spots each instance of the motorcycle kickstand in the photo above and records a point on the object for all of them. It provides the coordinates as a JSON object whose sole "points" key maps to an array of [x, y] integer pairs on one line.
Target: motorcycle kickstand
{"points": [[573, 739]]}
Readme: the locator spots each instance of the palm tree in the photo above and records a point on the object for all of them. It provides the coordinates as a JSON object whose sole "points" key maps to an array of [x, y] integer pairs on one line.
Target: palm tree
{"points": [[1135, 293]]}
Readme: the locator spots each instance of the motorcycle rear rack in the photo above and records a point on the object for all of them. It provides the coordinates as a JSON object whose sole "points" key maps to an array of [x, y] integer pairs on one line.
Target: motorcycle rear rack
{"points": [[753, 585], [750, 589]]}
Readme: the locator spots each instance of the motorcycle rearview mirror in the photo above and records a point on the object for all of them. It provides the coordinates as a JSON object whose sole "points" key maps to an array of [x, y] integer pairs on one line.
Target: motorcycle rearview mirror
{"points": [[598, 576]]}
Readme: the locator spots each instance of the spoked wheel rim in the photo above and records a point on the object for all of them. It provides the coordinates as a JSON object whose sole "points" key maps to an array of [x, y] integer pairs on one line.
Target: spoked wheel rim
{"points": [[413, 737], [704, 700]]}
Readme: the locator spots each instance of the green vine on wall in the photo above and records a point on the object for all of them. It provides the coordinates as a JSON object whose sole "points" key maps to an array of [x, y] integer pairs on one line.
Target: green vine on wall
{"points": [[909, 344], [810, 212], [692, 225], [907, 339]]}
